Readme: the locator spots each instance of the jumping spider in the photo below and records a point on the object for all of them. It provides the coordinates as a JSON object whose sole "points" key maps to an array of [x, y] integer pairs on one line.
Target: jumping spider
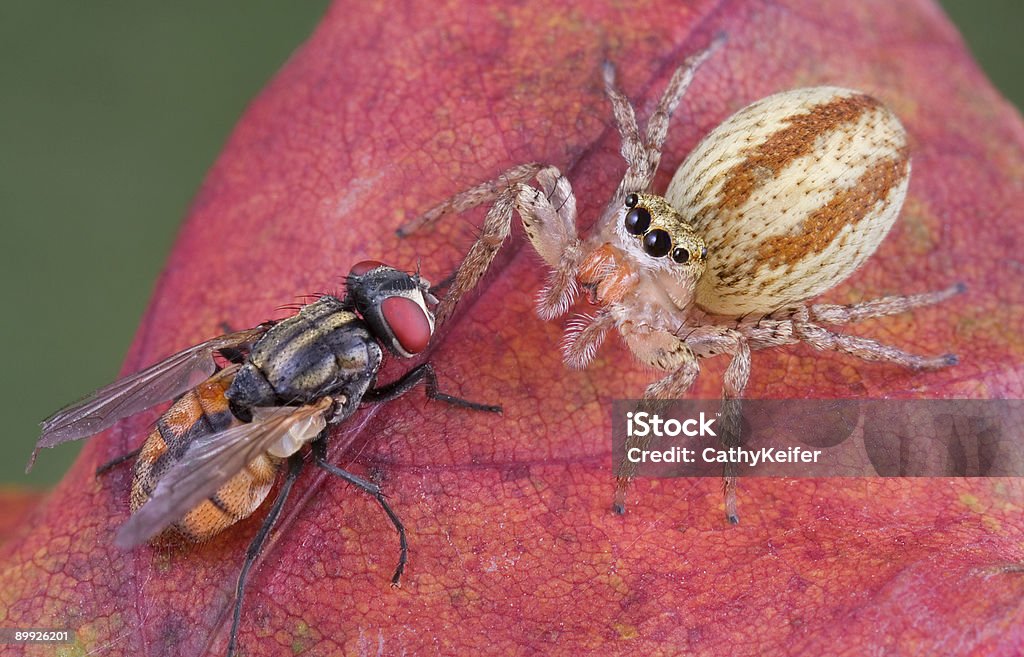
{"points": [[778, 204]]}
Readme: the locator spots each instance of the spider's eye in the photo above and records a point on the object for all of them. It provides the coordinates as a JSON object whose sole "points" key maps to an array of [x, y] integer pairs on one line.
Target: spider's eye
{"points": [[638, 220], [632, 200], [704, 253], [657, 243], [681, 255]]}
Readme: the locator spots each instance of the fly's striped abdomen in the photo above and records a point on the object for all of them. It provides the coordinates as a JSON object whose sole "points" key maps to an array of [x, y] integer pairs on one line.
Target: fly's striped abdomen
{"points": [[199, 412], [791, 194]]}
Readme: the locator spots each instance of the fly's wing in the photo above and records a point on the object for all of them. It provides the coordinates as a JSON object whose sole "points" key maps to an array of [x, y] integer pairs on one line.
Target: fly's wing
{"points": [[137, 392], [211, 461]]}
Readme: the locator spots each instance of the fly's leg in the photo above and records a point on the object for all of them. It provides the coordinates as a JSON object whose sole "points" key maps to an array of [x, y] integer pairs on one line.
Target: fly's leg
{"points": [[320, 457], [410, 379], [443, 285], [231, 354], [295, 463], [114, 462], [549, 219]]}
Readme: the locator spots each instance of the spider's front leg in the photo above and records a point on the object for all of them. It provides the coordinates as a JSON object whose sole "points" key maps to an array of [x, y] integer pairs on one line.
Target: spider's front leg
{"points": [[643, 153], [549, 220]]}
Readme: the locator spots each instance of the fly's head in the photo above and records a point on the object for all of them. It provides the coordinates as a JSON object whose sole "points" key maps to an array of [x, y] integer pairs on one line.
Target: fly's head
{"points": [[395, 304], [660, 242]]}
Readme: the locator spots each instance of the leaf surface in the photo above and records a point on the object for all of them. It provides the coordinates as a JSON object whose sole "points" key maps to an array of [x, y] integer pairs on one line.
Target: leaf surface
{"points": [[389, 109]]}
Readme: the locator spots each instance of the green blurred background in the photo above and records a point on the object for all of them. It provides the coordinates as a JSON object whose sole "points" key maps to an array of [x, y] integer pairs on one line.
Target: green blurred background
{"points": [[111, 115]]}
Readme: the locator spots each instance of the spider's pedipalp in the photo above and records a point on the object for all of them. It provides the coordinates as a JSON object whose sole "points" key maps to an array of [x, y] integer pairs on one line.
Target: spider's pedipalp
{"points": [[583, 337]]}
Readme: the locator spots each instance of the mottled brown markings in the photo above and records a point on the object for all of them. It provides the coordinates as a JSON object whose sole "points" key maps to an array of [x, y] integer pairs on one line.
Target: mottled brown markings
{"points": [[763, 162], [846, 208]]}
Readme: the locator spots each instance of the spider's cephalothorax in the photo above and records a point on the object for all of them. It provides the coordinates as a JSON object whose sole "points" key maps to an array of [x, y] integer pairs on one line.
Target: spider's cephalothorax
{"points": [[779, 203]]}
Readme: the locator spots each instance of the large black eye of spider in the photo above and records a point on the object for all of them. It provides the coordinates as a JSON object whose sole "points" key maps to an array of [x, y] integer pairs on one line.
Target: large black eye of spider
{"points": [[681, 255], [657, 243], [638, 220]]}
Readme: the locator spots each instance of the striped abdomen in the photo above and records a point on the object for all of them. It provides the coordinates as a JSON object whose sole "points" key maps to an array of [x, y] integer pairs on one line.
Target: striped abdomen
{"points": [[201, 411], [791, 194]]}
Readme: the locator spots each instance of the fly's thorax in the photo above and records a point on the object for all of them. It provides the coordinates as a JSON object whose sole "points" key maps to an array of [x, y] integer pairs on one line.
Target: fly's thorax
{"points": [[791, 194], [323, 349]]}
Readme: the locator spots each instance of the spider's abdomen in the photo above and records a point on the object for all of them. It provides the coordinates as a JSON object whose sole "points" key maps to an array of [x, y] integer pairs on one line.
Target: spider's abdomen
{"points": [[791, 194]]}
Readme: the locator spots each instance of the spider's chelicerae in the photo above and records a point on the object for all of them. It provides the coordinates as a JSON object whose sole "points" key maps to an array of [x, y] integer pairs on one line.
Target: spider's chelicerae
{"points": [[779, 203]]}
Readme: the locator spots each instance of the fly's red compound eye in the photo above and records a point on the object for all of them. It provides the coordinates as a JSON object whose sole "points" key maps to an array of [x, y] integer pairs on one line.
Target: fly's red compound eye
{"points": [[364, 266], [407, 322]]}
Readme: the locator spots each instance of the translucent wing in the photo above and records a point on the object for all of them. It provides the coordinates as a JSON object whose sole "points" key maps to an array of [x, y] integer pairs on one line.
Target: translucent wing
{"points": [[137, 392], [211, 461]]}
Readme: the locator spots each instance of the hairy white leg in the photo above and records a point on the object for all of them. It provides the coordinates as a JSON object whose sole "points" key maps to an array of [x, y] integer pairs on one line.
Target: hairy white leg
{"points": [[803, 324], [868, 349], [657, 125], [736, 377], [584, 335], [712, 340], [664, 351], [549, 219], [891, 305], [643, 154]]}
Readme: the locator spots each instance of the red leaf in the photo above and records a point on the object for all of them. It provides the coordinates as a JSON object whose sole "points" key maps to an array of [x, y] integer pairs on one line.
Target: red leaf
{"points": [[389, 109], [17, 508]]}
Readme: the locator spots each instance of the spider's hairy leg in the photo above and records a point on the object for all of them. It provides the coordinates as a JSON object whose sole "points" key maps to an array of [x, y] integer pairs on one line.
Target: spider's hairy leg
{"points": [[583, 337], [892, 305], [868, 349], [712, 339], [485, 192], [657, 125], [735, 381], [665, 351], [643, 153], [496, 228], [549, 219], [805, 324]]}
